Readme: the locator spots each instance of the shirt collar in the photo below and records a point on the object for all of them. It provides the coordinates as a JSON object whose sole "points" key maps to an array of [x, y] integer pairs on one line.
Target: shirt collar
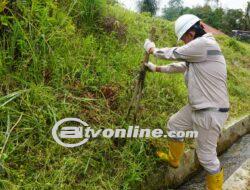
{"points": [[208, 35]]}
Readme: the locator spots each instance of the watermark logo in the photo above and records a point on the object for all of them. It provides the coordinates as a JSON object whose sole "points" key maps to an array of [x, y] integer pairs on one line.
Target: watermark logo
{"points": [[83, 132], [69, 132]]}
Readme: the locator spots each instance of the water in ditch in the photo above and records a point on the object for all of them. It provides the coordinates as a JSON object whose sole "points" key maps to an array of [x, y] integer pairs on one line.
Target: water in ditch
{"points": [[231, 160]]}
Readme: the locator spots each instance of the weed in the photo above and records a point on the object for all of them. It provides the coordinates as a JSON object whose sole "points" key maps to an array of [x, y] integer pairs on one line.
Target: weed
{"points": [[58, 60]]}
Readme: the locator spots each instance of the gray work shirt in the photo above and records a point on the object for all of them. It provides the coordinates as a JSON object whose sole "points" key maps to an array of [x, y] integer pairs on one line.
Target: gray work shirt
{"points": [[205, 71]]}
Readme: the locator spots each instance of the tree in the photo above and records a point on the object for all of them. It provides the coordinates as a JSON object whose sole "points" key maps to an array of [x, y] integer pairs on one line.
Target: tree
{"points": [[216, 18], [174, 9], [176, 3], [212, 3], [148, 6], [233, 20], [247, 17]]}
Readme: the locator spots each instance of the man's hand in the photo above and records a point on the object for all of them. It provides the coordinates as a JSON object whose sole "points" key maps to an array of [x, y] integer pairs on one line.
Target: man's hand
{"points": [[150, 66], [149, 46]]}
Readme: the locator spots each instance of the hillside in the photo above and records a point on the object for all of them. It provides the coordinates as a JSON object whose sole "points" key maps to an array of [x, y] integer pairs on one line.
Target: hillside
{"points": [[76, 59]]}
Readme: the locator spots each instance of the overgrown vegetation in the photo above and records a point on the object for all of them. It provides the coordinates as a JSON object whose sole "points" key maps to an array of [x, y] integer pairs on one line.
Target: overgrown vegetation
{"points": [[67, 59], [148, 6]]}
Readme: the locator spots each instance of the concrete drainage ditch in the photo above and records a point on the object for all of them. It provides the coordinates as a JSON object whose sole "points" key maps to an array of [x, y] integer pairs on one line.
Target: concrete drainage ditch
{"points": [[166, 177]]}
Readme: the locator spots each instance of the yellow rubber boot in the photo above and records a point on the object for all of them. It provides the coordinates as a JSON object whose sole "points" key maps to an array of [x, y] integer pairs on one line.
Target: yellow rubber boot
{"points": [[176, 149], [215, 182]]}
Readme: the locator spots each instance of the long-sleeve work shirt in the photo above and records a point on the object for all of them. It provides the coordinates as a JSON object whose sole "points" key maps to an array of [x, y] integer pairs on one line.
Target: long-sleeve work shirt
{"points": [[205, 71]]}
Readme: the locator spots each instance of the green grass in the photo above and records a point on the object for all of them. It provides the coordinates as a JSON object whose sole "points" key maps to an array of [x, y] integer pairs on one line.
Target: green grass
{"points": [[57, 61]]}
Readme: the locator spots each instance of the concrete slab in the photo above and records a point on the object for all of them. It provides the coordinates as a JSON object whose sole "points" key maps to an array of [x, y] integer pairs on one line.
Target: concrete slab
{"points": [[240, 180], [231, 160]]}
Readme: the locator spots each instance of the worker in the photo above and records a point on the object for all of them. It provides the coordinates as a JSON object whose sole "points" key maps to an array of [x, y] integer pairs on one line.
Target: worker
{"points": [[204, 68]]}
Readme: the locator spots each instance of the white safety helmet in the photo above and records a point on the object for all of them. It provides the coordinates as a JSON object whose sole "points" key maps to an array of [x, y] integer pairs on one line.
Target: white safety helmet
{"points": [[184, 23]]}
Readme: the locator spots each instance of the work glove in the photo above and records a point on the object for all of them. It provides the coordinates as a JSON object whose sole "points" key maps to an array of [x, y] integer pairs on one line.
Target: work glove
{"points": [[150, 66], [148, 45]]}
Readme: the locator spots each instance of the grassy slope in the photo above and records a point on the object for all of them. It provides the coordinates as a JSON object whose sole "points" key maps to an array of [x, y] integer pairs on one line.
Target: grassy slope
{"points": [[90, 76]]}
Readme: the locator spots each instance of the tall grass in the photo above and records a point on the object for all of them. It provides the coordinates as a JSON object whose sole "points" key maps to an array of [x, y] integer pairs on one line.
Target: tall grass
{"points": [[56, 61], [86, 14]]}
